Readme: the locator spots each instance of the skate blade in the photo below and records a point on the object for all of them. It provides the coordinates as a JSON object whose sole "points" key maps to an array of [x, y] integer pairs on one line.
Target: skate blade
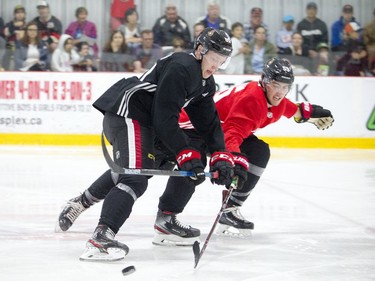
{"points": [[173, 240], [98, 255], [230, 231], [58, 228]]}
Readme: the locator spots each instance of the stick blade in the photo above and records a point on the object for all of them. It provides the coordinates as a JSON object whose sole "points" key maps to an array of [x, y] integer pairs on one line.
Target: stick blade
{"points": [[196, 251]]}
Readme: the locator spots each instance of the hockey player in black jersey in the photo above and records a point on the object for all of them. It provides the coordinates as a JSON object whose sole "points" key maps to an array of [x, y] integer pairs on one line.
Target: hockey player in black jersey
{"points": [[141, 123]]}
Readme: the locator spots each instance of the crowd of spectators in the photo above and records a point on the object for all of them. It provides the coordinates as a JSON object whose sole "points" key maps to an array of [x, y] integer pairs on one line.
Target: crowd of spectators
{"points": [[42, 44]]}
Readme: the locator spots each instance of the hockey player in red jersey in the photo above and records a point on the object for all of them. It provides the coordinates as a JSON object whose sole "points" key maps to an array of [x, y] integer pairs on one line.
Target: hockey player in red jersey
{"points": [[243, 110], [142, 112]]}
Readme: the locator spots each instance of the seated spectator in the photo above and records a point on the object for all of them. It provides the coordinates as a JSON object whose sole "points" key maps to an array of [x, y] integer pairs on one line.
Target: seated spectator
{"points": [[296, 47], [1, 26], [83, 30], [313, 29], [13, 31], [372, 66], [353, 63], [31, 52], [259, 51], [116, 56], [284, 35], [369, 40], [118, 9], [178, 46], [64, 56], [87, 61], [324, 63], [2, 43], [256, 19], [345, 31], [49, 26], [147, 53], [298, 54], [197, 29], [237, 61], [131, 28], [169, 26], [214, 19]]}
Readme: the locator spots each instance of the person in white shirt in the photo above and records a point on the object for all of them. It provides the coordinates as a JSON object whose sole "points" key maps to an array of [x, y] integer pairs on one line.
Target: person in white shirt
{"points": [[237, 62], [64, 57]]}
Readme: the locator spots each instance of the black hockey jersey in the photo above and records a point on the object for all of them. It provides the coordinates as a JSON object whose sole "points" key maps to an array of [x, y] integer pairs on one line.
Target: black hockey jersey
{"points": [[157, 97]]}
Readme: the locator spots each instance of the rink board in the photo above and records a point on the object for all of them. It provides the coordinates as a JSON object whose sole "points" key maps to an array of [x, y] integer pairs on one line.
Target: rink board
{"points": [[56, 109]]}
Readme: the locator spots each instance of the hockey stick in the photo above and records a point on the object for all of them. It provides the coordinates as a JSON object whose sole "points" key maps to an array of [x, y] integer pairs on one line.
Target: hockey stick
{"points": [[199, 253], [147, 172]]}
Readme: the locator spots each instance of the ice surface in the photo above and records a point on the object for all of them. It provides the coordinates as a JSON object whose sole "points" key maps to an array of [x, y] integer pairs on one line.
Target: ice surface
{"points": [[314, 215]]}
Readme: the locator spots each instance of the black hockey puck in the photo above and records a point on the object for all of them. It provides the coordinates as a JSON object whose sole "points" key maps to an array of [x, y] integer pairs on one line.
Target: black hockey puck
{"points": [[128, 270]]}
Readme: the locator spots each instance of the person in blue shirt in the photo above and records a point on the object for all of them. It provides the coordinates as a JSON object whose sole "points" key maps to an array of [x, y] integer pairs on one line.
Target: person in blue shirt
{"points": [[346, 31]]}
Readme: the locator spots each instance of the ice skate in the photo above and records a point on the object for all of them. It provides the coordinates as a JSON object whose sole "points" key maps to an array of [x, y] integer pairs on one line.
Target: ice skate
{"points": [[102, 246], [169, 231], [232, 223], [70, 213]]}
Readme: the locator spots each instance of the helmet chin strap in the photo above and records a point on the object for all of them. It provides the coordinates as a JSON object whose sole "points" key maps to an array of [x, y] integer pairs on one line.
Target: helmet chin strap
{"points": [[200, 54]]}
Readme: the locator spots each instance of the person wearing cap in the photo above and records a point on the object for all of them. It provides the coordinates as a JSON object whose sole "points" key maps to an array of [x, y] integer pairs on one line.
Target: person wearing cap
{"points": [[13, 31], [83, 30], [215, 19], [346, 31], [313, 29], [49, 26], [256, 19], [284, 35], [369, 40]]}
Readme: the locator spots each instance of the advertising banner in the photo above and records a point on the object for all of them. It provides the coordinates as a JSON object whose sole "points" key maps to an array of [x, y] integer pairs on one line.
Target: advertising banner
{"points": [[61, 103]]}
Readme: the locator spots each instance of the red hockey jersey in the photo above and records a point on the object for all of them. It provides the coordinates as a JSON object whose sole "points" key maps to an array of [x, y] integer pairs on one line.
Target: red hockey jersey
{"points": [[243, 109]]}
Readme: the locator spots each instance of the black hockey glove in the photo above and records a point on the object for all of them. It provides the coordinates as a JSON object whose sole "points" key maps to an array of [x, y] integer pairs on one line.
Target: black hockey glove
{"points": [[241, 167], [189, 159], [315, 114], [223, 163]]}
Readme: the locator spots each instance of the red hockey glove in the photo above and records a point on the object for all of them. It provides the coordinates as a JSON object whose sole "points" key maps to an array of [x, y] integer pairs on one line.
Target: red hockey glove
{"points": [[315, 114], [189, 159], [223, 163], [241, 166]]}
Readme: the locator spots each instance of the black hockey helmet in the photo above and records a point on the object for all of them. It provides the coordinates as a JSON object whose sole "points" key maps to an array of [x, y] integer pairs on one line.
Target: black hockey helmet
{"points": [[215, 40], [279, 70]]}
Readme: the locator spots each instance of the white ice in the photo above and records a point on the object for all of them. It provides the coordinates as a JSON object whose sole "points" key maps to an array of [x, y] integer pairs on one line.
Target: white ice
{"points": [[314, 215]]}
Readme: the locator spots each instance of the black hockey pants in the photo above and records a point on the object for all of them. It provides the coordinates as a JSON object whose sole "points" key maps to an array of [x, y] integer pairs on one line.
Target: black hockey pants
{"points": [[179, 190]]}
